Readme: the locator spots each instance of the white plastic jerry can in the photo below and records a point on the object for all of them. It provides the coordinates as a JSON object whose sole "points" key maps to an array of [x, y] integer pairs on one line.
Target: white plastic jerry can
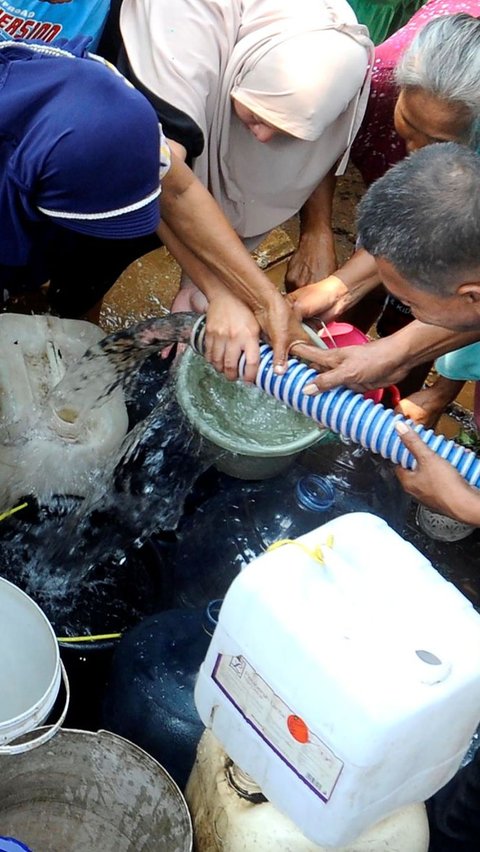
{"points": [[229, 814], [343, 677], [43, 451]]}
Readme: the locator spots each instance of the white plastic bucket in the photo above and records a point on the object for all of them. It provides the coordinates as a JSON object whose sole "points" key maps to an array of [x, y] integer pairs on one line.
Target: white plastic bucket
{"points": [[30, 670]]}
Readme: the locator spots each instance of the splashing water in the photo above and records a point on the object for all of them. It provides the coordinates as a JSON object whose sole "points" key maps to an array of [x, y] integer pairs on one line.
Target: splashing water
{"points": [[77, 546], [113, 362]]}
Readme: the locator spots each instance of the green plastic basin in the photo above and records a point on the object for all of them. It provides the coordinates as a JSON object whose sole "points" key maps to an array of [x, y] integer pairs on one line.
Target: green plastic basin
{"points": [[258, 435]]}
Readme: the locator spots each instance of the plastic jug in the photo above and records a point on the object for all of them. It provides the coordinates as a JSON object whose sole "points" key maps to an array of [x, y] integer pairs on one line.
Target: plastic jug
{"points": [[230, 814], [149, 696], [226, 530], [42, 453], [346, 688]]}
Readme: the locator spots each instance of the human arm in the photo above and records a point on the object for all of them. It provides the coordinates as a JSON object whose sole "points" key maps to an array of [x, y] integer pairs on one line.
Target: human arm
{"points": [[335, 294], [436, 483], [231, 326], [199, 226], [315, 257], [381, 362]]}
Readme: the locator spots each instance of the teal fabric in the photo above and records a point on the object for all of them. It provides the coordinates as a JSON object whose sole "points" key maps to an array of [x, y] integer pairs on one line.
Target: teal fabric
{"points": [[462, 364]]}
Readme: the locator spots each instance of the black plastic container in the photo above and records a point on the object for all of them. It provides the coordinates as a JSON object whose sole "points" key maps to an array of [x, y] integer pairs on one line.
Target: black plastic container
{"points": [[84, 593], [234, 522], [149, 696]]}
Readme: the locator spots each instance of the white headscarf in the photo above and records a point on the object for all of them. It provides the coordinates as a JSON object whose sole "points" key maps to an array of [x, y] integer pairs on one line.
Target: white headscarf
{"points": [[301, 65]]}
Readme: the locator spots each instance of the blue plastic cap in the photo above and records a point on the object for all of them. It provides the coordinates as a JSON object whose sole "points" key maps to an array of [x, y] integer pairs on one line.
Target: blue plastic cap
{"points": [[315, 493], [210, 617], [9, 844]]}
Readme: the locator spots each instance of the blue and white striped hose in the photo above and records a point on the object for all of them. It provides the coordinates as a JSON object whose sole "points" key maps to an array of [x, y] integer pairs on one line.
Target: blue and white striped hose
{"points": [[350, 414]]}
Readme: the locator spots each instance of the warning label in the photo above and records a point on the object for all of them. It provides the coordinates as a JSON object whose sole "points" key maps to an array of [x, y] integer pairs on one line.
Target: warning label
{"points": [[278, 725]]}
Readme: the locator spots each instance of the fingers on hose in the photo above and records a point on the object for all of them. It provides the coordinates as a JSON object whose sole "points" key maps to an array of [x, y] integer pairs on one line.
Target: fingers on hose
{"points": [[405, 477], [324, 382], [215, 351], [231, 359], [252, 357], [322, 359], [279, 361], [412, 441]]}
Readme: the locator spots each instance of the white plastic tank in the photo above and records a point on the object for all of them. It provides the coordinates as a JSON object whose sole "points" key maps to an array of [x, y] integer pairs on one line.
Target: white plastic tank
{"points": [[346, 688], [229, 815], [42, 453]]}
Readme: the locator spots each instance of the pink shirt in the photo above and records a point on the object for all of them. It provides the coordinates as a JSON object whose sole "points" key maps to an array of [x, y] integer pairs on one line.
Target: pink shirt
{"points": [[378, 146]]}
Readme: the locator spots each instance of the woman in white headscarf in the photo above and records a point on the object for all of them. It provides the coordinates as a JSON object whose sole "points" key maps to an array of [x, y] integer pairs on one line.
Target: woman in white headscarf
{"points": [[263, 97]]}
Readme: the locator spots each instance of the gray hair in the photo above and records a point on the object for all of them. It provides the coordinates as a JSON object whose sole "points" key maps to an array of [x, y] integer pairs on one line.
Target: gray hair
{"points": [[444, 60], [423, 216]]}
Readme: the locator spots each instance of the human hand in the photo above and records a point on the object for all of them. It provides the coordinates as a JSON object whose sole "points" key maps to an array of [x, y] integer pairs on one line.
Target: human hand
{"points": [[367, 367], [427, 405], [314, 259], [281, 327], [435, 482], [421, 408], [231, 329], [324, 299]]}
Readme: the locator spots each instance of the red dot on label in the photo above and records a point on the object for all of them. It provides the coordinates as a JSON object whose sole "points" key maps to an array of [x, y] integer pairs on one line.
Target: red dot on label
{"points": [[298, 729]]}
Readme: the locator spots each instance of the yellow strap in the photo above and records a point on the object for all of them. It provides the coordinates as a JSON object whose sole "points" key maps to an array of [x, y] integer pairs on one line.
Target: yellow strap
{"points": [[316, 553], [9, 512], [100, 638]]}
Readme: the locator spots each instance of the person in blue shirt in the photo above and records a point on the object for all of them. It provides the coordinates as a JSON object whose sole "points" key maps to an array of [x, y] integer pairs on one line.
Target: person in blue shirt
{"points": [[48, 20], [83, 166]]}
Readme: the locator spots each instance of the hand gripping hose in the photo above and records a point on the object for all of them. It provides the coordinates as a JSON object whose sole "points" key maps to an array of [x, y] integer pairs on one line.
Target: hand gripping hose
{"points": [[348, 413]]}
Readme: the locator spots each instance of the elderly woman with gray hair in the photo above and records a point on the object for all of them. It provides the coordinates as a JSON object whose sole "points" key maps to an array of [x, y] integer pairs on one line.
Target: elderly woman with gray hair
{"points": [[424, 90]]}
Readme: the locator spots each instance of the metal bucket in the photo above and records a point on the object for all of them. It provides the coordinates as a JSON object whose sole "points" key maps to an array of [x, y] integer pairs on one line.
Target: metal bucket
{"points": [[92, 791]]}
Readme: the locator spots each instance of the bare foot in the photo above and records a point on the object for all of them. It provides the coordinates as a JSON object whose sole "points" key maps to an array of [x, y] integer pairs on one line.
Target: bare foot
{"points": [[426, 406]]}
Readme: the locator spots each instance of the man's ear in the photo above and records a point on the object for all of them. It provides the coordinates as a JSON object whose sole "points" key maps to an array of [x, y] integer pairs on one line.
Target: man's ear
{"points": [[471, 292]]}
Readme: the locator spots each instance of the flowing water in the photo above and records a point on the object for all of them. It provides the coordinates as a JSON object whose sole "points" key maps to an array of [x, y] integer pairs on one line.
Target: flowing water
{"points": [[88, 561], [114, 362], [77, 546], [58, 549]]}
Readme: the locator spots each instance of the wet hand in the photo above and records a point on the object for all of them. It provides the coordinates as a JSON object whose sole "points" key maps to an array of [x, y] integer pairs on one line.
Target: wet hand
{"points": [[435, 482], [360, 368], [314, 259], [281, 327], [231, 330]]}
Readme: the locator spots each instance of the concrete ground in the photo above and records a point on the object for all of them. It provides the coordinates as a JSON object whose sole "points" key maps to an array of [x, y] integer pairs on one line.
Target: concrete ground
{"points": [[148, 286]]}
